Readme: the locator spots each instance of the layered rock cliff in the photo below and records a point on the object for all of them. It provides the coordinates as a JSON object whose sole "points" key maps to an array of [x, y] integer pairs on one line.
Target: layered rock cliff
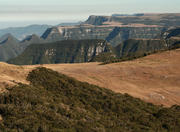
{"points": [[112, 34]]}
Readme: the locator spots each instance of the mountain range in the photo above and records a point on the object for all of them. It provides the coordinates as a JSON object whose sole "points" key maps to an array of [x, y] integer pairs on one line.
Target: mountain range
{"points": [[109, 28], [101, 95], [21, 32]]}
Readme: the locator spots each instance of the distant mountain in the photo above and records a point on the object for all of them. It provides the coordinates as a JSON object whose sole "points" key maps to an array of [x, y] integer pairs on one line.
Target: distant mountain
{"points": [[114, 29], [21, 32], [8, 38], [9, 47], [70, 24], [52, 34], [167, 19], [32, 39], [68, 51], [138, 14]]}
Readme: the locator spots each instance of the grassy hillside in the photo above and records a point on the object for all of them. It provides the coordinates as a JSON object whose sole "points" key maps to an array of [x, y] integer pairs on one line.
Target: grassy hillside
{"points": [[57, 103]]}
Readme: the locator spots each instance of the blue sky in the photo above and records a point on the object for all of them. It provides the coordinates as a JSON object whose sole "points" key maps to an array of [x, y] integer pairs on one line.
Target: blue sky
{"points": [[25, 12]]}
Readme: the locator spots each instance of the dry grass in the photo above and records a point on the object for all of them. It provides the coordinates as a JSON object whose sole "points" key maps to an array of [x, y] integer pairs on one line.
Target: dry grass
{"points": [[155, 78]]}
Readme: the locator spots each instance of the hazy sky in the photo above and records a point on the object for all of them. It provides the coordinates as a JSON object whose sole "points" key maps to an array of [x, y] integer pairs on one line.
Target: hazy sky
{"points": [[25, 12]]}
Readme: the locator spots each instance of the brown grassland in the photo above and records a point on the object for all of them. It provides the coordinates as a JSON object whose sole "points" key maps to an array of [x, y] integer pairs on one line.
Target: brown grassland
{"points": [[154, 78]]}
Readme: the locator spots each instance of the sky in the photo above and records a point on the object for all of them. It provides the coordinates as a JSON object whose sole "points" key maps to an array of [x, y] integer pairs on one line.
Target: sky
{"points": [[25, 12]]}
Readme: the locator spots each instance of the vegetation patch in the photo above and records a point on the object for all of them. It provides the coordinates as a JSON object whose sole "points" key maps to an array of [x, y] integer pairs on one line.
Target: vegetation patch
{"points": [[54, 102]]}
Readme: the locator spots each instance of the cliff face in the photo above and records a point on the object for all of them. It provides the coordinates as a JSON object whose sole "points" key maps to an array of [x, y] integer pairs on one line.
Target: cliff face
{"points": [[114, 35], [167, 19], [120, 34], [96, 20], [174, 32], [76, 33], [140, 47], [69, 51]]}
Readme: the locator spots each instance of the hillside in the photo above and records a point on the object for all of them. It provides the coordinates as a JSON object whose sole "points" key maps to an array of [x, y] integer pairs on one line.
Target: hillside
{"points": [[9, 47], [154, 78], [68, 51], [73, 51], [55, 102]]}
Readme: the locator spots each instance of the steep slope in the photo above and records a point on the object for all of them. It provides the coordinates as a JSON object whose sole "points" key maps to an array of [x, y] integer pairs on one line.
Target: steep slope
{"points": [[69, 51], [9, 47], [78, 32], [73, 51], [174, 32], [7, 37], [55, 102], [121, 34], [138, 47], [32, 39], [112, 33]]}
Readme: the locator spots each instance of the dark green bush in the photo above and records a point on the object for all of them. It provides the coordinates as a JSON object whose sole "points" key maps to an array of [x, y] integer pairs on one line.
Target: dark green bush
{"points": [[54, 102]]}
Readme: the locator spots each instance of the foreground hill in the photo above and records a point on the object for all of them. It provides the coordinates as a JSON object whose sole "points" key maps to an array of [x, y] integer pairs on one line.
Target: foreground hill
{"points": [[154, 78], [55, 102]]}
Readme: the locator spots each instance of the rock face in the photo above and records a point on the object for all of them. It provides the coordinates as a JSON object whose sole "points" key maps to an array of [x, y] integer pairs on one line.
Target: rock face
{"points": [[174, 32], [69, 51], [79, 32], [114, 35], [120, 34], [140, 47], [96, 20]]}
